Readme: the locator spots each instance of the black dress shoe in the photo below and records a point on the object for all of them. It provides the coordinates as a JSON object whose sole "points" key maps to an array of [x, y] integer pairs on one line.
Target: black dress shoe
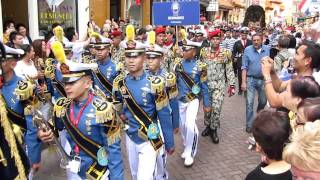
{"points": [[240, 93], [214, 136], [206, 132]]}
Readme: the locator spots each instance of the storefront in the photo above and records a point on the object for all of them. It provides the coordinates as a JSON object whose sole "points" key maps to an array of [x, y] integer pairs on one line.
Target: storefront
{"points": [[39, 15]]}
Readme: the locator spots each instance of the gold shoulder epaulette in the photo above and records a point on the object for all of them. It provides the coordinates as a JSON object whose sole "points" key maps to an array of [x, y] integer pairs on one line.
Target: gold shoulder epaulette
{"points": [[49, 68], [227, 53], [60, 106], [202, 67], [158, 88], [104, 110], [203, 53], [116, 81], [25, 89], [157, 84], [171, 81]]}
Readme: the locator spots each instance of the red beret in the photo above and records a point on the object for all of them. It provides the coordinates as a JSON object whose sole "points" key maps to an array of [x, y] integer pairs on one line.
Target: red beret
{"points": [[115, 33], [160, 30], [215, 33]]}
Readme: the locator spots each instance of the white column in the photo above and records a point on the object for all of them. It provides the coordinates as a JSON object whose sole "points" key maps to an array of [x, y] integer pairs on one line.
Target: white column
{"points": [[83, 17], [1, 23], [33, 19]]}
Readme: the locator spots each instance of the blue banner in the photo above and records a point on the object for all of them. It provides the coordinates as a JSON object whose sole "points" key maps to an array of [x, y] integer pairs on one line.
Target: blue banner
{"points": [[176, 13]]}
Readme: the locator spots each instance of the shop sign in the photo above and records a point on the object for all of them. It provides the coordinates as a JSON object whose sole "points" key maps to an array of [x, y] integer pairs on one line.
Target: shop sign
{"points": [[56, 11], [176, 13]]}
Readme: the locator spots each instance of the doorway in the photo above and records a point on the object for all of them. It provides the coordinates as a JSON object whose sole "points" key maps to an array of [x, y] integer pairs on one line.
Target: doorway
{"points": [[10, 9]]}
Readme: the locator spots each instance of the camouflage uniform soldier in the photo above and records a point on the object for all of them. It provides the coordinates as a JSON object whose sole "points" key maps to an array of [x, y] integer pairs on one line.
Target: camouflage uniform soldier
{"points": [[117, 53], [219, 63]]}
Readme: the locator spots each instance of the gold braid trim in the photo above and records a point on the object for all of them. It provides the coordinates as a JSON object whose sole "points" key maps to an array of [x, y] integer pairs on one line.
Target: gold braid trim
{"points": [[116, 81], [158, 88], [114, 135], [10, 138], [18, 132], [59, 108], [104, 111], [202, 67], [25, 89], [172, 85]]}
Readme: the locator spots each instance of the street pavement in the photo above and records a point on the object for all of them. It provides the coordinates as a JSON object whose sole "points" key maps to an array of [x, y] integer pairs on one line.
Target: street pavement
{"points": [[228, 160]]}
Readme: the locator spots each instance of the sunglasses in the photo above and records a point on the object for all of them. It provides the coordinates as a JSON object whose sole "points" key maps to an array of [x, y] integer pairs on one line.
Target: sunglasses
{"points": [[169, 32]]}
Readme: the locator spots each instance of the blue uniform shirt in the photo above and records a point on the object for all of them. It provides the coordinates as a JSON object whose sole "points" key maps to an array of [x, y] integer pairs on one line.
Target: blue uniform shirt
{"points": [[190, 68], [140, 89], [12, 101], [95, 131], [109, 71], [251, 60], [174, 106]]}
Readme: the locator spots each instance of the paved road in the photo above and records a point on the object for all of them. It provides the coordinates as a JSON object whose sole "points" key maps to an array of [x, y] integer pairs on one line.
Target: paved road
{"points": [[229, 160]]}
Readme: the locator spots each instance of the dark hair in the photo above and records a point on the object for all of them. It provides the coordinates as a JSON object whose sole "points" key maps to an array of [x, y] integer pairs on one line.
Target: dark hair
{"points": [[7, 23], [293, 42], [20, 25], [70, 32], [54, 25], [141, 31], [37, 46], [258, 34], [271, 130], [305, 87], [284, 42], [311, 108], [298, 35], [312, 50], [13, 35], [26, 48]]}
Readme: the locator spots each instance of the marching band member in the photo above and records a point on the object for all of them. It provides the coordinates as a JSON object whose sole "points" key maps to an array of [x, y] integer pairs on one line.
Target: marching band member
{"points": [[154, 58], [89, 121], [145, 102], [14, 163], [192, 85]]}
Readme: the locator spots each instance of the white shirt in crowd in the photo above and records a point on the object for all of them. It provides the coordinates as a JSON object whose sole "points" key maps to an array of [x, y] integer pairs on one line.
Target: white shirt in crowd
{"points": [[22, 69], [26, 40]]}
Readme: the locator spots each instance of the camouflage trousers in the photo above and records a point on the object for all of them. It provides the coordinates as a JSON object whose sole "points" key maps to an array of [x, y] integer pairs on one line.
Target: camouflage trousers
{"points": [[212, 119]]}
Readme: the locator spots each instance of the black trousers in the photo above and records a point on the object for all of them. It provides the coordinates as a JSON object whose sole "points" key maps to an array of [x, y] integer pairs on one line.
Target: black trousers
{"points": [[239, 72]]}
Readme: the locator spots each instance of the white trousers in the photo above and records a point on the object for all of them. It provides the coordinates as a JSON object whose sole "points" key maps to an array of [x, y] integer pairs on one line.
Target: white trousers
{"points": [[162, 172], [188, 127], [142, 160], [75, 176]]}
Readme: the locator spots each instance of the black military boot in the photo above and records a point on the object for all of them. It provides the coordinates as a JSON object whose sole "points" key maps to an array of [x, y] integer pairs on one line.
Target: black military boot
{"points": [[206, 131], [214, 136]]}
